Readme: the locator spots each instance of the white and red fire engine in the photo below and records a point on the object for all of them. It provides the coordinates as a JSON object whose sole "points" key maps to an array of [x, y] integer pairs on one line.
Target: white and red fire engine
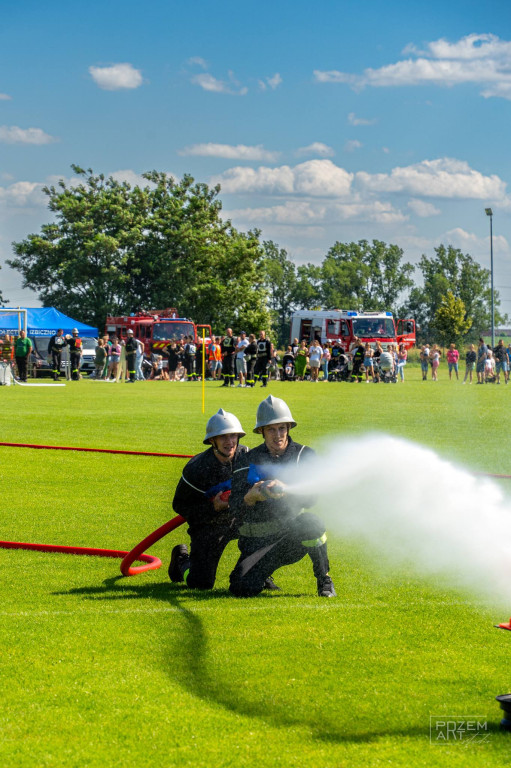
{"points": [[156, 328], [344, 325]]}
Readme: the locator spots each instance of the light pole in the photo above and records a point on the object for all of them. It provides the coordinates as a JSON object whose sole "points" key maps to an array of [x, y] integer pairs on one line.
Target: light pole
{"points": [[489, 213]]}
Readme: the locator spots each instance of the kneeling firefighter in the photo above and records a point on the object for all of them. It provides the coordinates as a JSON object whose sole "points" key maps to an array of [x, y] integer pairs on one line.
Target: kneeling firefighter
{"points": [[202, 498], [273, 528]]}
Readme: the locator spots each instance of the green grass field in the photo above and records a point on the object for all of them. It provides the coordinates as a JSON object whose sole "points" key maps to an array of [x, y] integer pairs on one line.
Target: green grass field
{"points": [[100, 670]]}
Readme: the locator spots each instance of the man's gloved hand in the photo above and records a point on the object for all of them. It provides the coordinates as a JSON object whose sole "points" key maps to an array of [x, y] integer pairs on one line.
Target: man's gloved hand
{"points": [[264, 490], [221, 501]]}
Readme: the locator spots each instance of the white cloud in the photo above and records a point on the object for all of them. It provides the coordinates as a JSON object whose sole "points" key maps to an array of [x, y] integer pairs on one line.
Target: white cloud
{"points": [[354, 120], [468, 241], [5, 97], [11, 134], [116, 77], [209, 83], [352, 145], [316, 148], [423, 209], [314, 213], [21, 194], [198, 61], [469, 47], [316, 178], [238, 152], [272, 82], [444, 178], [479, 59]]}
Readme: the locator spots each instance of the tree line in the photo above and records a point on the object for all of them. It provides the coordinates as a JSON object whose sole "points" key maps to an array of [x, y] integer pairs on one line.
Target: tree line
{"points": [[113, 248]]}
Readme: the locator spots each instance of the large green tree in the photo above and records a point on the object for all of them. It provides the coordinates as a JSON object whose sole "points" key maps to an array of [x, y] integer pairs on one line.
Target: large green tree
{"points": [[78, 262], [363, 275], [451, 270], [115, 249]]}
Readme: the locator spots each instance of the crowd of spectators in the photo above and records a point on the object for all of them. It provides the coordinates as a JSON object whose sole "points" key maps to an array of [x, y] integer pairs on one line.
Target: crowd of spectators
{"points": [[488, 364], [243, 360]]}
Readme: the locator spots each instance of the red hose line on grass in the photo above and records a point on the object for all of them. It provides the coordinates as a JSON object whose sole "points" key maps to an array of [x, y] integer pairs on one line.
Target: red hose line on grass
{"points": [[136, 552], [98, 450], [152, 453], [151, 563]]}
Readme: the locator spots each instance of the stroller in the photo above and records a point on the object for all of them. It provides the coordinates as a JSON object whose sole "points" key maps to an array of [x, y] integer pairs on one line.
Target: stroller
{"points": [[288, 369], [387, 376], [341, 370]]}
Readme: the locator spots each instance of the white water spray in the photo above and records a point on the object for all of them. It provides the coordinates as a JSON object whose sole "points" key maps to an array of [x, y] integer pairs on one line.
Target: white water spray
{"points": [[410, 504]]}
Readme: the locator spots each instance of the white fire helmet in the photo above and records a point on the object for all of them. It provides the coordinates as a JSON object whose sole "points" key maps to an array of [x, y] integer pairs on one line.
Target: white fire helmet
{"points": [[223, 423], [273, 410], [75, 331]]}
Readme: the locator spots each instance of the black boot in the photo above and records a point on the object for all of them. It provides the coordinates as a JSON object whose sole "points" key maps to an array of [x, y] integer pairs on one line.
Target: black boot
{"points": [[270, 585], [326, 587], [179, 561]]}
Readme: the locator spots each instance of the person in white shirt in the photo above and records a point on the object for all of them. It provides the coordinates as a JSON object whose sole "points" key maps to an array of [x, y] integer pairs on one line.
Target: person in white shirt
{"points": [[241, 364], [315, 353]]}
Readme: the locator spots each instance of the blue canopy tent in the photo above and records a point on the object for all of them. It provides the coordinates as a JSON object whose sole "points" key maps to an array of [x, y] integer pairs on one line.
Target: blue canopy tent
{"points": [[44, 321]]}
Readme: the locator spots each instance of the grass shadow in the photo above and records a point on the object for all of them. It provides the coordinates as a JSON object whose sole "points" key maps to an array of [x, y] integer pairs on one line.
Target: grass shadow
{"points": [[191, 648]]}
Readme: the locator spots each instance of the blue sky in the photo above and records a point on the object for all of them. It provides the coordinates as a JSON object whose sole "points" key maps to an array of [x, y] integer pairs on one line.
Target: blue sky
{"points": [[321, 121]]}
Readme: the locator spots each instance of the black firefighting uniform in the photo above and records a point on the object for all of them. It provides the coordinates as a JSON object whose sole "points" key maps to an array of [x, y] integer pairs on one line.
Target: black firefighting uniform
{"points": [[131, 355], [358, 359], [276, 532], [55, 347], [250, 357], [75, 350], [190, 351], [198, 361], [209, 531], [228, 348], [263, 360]]}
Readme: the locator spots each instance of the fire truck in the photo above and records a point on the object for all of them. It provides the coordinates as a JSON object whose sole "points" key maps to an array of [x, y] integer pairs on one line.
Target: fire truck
{"points": [[156, 328], [344, 325]]}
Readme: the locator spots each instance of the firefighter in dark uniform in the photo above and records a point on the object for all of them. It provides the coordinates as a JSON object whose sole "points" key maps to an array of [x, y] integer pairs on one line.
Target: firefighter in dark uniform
{"points": [[198, 359], [357, 353], [55, 347], [131, 356], [201, 497], [190, 351], [264, 355], [75, 354], [273, 529], [251, 357], [228, 348]]}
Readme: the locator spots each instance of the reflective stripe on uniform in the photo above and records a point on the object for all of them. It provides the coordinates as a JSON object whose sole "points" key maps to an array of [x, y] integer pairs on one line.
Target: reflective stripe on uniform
{"points": [[315, 542], [192, 486]]}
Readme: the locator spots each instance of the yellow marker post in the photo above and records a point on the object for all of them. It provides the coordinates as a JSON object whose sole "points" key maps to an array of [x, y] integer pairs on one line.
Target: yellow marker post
{"points": [[203, 367]]}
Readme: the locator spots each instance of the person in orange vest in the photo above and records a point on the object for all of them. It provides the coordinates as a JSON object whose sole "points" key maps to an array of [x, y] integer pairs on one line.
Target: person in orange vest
{"points": [[214, 357], [75, 354]]}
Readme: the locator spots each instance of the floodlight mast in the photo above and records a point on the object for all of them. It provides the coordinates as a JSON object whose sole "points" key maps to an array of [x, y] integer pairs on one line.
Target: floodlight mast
{"points": [[489, 212]]}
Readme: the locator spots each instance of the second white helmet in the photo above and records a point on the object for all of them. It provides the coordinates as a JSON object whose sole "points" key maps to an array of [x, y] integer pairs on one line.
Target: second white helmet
{"points": [[273, 410]]}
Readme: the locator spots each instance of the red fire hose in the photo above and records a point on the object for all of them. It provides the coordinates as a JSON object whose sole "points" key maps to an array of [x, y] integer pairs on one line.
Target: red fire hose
{"points": [[151, 563]]}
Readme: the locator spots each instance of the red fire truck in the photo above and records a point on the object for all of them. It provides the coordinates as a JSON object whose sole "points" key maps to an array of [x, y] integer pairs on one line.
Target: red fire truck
{"points": [[344, 325], [156, 328]]}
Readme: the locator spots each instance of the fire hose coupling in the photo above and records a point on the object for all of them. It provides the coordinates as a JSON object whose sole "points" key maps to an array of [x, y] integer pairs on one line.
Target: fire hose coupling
{"points": [[224, 489]]}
